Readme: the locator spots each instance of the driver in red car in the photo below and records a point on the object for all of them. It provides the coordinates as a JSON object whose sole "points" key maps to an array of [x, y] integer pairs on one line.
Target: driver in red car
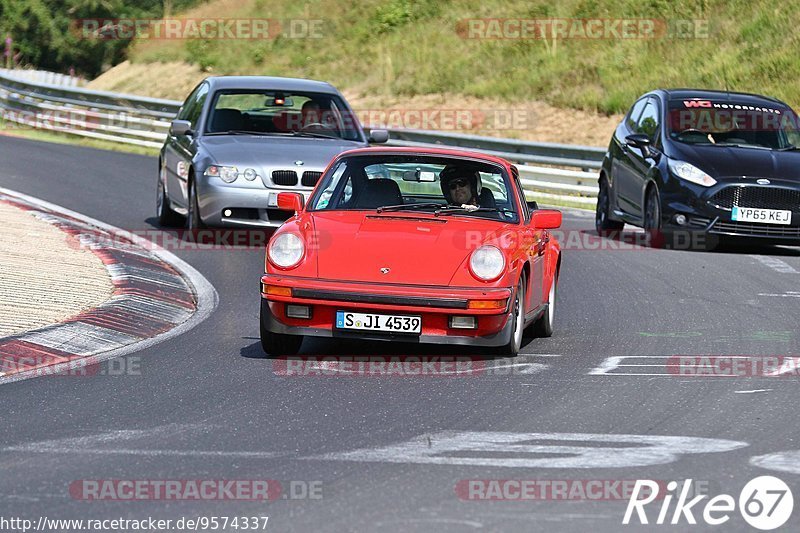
{"points": [[462, 187]]}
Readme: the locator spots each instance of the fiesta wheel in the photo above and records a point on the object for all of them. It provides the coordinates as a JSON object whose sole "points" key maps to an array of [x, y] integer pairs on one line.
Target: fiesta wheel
{"points": [[602, 219]]}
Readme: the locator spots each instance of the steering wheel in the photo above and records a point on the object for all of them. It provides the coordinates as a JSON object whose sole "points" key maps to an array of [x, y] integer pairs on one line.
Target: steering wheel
{"points": [[692, 130], [316, 125]]}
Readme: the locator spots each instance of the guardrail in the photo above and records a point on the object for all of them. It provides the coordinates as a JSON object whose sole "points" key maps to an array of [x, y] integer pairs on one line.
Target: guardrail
{"points": [[143, 121]]}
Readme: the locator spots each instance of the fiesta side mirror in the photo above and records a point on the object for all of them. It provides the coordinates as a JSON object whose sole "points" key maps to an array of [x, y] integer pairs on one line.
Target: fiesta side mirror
{"points": [[546, 219], [180, 127], [290, 201], [378, 136], [638, 140]]}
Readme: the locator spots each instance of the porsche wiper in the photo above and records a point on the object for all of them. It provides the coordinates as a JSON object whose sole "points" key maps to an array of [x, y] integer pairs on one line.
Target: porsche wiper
{"points": [[458, 210], [402, 207]]}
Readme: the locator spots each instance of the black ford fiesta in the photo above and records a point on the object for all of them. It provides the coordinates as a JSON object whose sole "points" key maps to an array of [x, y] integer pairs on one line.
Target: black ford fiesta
{"points": [[721, 164]]}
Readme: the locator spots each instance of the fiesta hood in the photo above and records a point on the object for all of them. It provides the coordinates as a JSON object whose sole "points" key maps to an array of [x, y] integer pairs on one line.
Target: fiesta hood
{"points": [[731, 161]]}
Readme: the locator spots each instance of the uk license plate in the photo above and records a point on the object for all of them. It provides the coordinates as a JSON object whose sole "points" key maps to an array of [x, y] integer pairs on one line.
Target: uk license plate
{"points": [[377, 322], [764, 216]]}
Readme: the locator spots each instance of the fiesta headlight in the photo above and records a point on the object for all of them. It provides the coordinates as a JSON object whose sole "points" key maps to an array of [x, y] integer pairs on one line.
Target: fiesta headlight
{"points": [[286, 250], [487, 263], [689, 172], [226, 174]]}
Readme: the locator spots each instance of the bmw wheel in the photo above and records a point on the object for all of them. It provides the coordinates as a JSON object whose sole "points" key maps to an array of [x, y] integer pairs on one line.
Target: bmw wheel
{"points": [[166, 216]]}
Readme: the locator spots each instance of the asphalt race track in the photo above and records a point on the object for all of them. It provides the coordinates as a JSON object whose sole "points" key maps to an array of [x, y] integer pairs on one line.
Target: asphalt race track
{"points": [[395, 453]]}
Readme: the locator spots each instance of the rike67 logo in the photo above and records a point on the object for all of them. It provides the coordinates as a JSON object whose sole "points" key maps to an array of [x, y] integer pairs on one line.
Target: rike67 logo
{"points": [[765, 503]]}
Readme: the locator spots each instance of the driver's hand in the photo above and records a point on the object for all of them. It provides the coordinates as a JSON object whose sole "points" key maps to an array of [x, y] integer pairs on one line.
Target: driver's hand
{"points": [[470, 207]]}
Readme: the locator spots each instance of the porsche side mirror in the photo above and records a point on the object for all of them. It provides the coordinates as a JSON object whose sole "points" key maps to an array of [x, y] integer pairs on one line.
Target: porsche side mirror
{"points": [[532, 205], [546, 219], [378, 136], [180, 127], [290, 201]]}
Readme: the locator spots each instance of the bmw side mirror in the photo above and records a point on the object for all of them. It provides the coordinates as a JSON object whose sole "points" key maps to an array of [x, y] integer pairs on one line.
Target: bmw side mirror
{"points": [[378, 136], [180, 127]]}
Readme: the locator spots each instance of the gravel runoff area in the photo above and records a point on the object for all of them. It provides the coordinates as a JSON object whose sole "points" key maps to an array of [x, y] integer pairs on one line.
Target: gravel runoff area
{"points": [[45, 277]]}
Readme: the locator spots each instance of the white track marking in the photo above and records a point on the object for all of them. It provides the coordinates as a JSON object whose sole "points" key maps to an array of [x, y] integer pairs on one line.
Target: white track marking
{"points": [[104, 444], [775, 264], [787, 294], [579, 450], [207, 297], [751, 391], [788, 461], [616, 362]]}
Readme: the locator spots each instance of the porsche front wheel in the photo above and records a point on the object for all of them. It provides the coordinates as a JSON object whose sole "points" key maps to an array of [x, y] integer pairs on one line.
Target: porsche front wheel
{"points": [[278, 343], [543, 327], [518, 319]]}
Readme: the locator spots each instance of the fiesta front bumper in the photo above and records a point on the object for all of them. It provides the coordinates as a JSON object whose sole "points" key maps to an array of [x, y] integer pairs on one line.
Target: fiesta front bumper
{"points": [[435, 305], [710, 211]]}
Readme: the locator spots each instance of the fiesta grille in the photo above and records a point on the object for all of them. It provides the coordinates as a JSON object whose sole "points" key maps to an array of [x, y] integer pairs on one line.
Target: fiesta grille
{"points": [[310, 178], [762, 230], [284, 177], [759, 197]]}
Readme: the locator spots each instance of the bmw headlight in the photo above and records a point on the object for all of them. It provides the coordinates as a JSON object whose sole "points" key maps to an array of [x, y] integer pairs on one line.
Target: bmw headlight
{"points": [[286, 250], [226, 174], [487, 263], [688, 172], [250, 174]]}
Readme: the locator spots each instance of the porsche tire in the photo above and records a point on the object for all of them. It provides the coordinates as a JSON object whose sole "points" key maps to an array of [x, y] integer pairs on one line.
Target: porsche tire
{"points": [[518, 317], [543, 327], [278, 343]]}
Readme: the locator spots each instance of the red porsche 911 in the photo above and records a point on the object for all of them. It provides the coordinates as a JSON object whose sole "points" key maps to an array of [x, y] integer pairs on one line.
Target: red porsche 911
{"points": [[411, 245]]}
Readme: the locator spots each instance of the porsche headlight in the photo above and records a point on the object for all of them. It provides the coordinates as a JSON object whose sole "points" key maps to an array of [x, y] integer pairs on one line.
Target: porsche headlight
{"points": [[286, 250], [689, 172], [226, 174], [487, 263]]}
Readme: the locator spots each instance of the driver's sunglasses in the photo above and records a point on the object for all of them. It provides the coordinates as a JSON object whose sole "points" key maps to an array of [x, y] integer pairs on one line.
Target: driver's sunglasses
{"points": [[460, 182]]}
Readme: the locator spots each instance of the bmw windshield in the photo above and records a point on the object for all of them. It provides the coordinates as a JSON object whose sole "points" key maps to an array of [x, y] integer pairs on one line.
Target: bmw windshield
{"points": [[281, 113]]}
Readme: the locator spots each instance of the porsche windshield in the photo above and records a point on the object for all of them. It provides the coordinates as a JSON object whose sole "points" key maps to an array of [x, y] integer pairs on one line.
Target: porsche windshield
{"points": [[441, 185], [281, 113], [769, 126]]}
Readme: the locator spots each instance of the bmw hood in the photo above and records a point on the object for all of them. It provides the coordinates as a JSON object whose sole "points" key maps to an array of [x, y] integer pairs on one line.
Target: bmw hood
{"points": [[265, 153], [730, 161]]}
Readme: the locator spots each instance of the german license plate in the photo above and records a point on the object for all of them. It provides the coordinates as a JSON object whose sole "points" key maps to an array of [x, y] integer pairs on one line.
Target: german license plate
{"points": [[373, 322], [764, 216]]}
